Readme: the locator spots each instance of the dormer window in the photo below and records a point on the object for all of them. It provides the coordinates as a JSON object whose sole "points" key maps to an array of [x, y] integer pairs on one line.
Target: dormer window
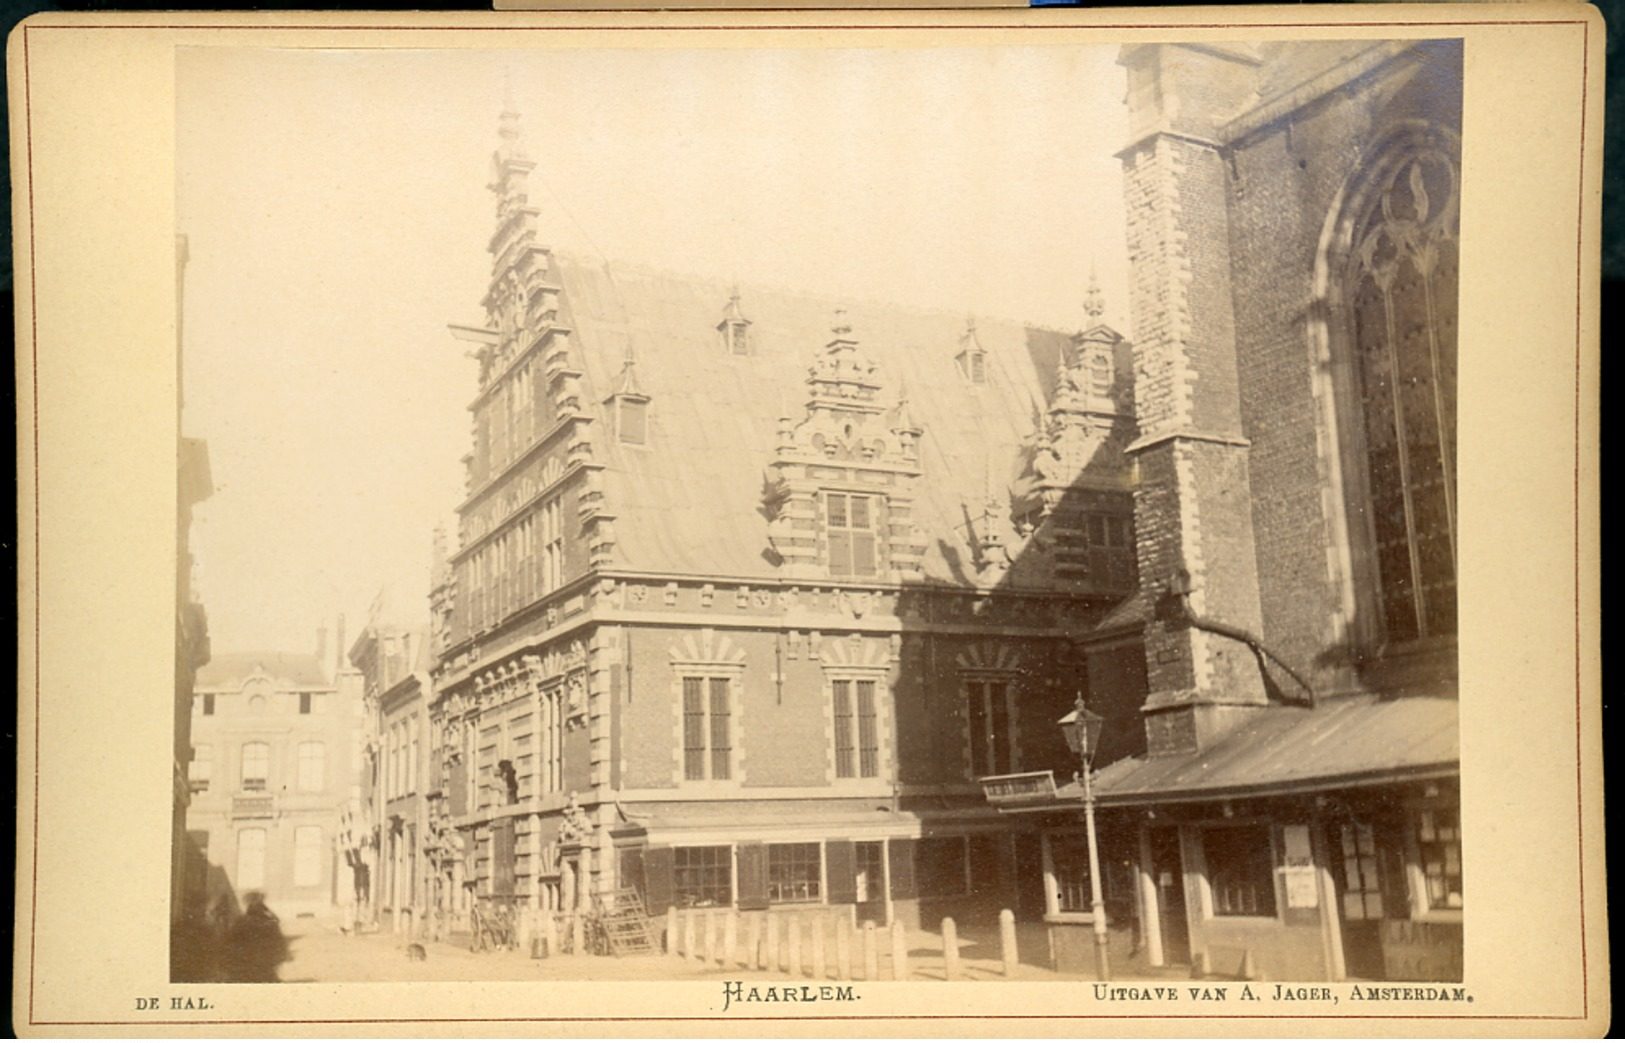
{"points": [[734, 327], [1100, 375], [850, 522], [632, 422], [972, 358], [629, 406], [736, 338]]}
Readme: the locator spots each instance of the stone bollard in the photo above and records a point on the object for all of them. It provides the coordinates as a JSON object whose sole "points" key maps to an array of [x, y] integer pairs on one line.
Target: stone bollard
{"points": [[950, 949], [871, 952], [843, 949], [578, 934], [819, 969], [1007, 941], [899, 951], [708, 946], [794, 927], [550, 932], [753, 942], [671, 930], [1199, 964], [525, 932], [730, 939], [771, 954], [688, 933], [1249, 967]]}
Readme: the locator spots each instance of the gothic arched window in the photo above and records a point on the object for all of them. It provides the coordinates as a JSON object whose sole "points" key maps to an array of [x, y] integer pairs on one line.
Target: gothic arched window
{"points": [[1398, 289]]}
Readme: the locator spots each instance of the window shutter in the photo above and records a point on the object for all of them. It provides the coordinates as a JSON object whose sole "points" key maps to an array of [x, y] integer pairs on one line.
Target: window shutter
{"points": [[502, 858], [459, 788], [657, 879], [752, 876], [902, 868], [840, 553], [838, 864]]}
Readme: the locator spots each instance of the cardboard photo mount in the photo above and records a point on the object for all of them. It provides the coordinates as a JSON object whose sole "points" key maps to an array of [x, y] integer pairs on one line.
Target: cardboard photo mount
{"points": [[95, 116]]}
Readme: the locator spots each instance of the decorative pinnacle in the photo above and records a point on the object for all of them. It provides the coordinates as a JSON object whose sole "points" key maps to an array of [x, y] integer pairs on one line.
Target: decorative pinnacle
{"points": [[1094, 302], [841, 327]]}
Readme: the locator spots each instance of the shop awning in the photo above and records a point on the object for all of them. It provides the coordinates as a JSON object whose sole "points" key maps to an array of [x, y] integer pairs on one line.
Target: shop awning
{"points": [[1353, 741]]}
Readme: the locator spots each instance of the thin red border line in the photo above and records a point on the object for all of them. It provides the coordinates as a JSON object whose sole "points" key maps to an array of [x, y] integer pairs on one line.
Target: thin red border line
{"points": [[1579, 319], [845, 1017], [1041, 27]]}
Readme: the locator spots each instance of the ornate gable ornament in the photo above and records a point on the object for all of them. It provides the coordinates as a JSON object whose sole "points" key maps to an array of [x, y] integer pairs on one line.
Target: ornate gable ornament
{"points": [[850, 445], [1089, 419]]}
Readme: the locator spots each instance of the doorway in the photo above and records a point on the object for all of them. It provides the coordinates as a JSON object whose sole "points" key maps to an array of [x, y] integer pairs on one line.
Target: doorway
{"points": [[1168, 875], [1358, 873], [869, 873]]}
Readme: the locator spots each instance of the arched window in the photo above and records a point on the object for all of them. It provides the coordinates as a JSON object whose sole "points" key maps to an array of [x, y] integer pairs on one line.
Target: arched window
{"points": [[1394, 342]]}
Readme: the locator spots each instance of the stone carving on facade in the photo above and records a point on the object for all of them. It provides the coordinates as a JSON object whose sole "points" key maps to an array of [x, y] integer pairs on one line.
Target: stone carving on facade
{"points": [[574, 825], [857, 602]]}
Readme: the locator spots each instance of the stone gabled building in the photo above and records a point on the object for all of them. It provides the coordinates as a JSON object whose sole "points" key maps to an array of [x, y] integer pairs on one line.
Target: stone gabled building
{"points": [[751, 589], [1293, 225]]}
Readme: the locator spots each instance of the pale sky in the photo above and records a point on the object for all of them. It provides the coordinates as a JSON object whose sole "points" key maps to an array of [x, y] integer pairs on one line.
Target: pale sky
{"points": [[335, 207]]}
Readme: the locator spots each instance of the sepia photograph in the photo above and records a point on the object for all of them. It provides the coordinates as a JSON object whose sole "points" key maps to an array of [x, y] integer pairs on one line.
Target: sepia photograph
{"points": [[787, 523], [766, 620]]}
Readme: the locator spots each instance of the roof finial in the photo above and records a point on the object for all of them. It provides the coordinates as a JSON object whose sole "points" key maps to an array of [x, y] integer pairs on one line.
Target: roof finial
{"points": [[841, 326], [1094, 302], [508, 121], [628, 382]]}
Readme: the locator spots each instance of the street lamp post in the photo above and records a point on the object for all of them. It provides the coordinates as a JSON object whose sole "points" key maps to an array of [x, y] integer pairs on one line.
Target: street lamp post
{"points": [[1082, 730]]}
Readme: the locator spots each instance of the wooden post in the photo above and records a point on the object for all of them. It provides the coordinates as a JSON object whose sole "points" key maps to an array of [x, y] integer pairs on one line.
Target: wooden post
{"points": [[753, 942], [671, 931], [688, 932], [950, 949], [819, 970], [730, 939], [709, 950], [843, 949], [795, 945], [770, 959], [871, 952], [1150, 912], [1007, 941], [899, 951]]}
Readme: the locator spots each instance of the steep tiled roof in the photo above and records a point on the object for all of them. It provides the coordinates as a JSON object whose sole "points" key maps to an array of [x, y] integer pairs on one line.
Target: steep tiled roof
{"points": [[689, 500], [228, 670]]}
